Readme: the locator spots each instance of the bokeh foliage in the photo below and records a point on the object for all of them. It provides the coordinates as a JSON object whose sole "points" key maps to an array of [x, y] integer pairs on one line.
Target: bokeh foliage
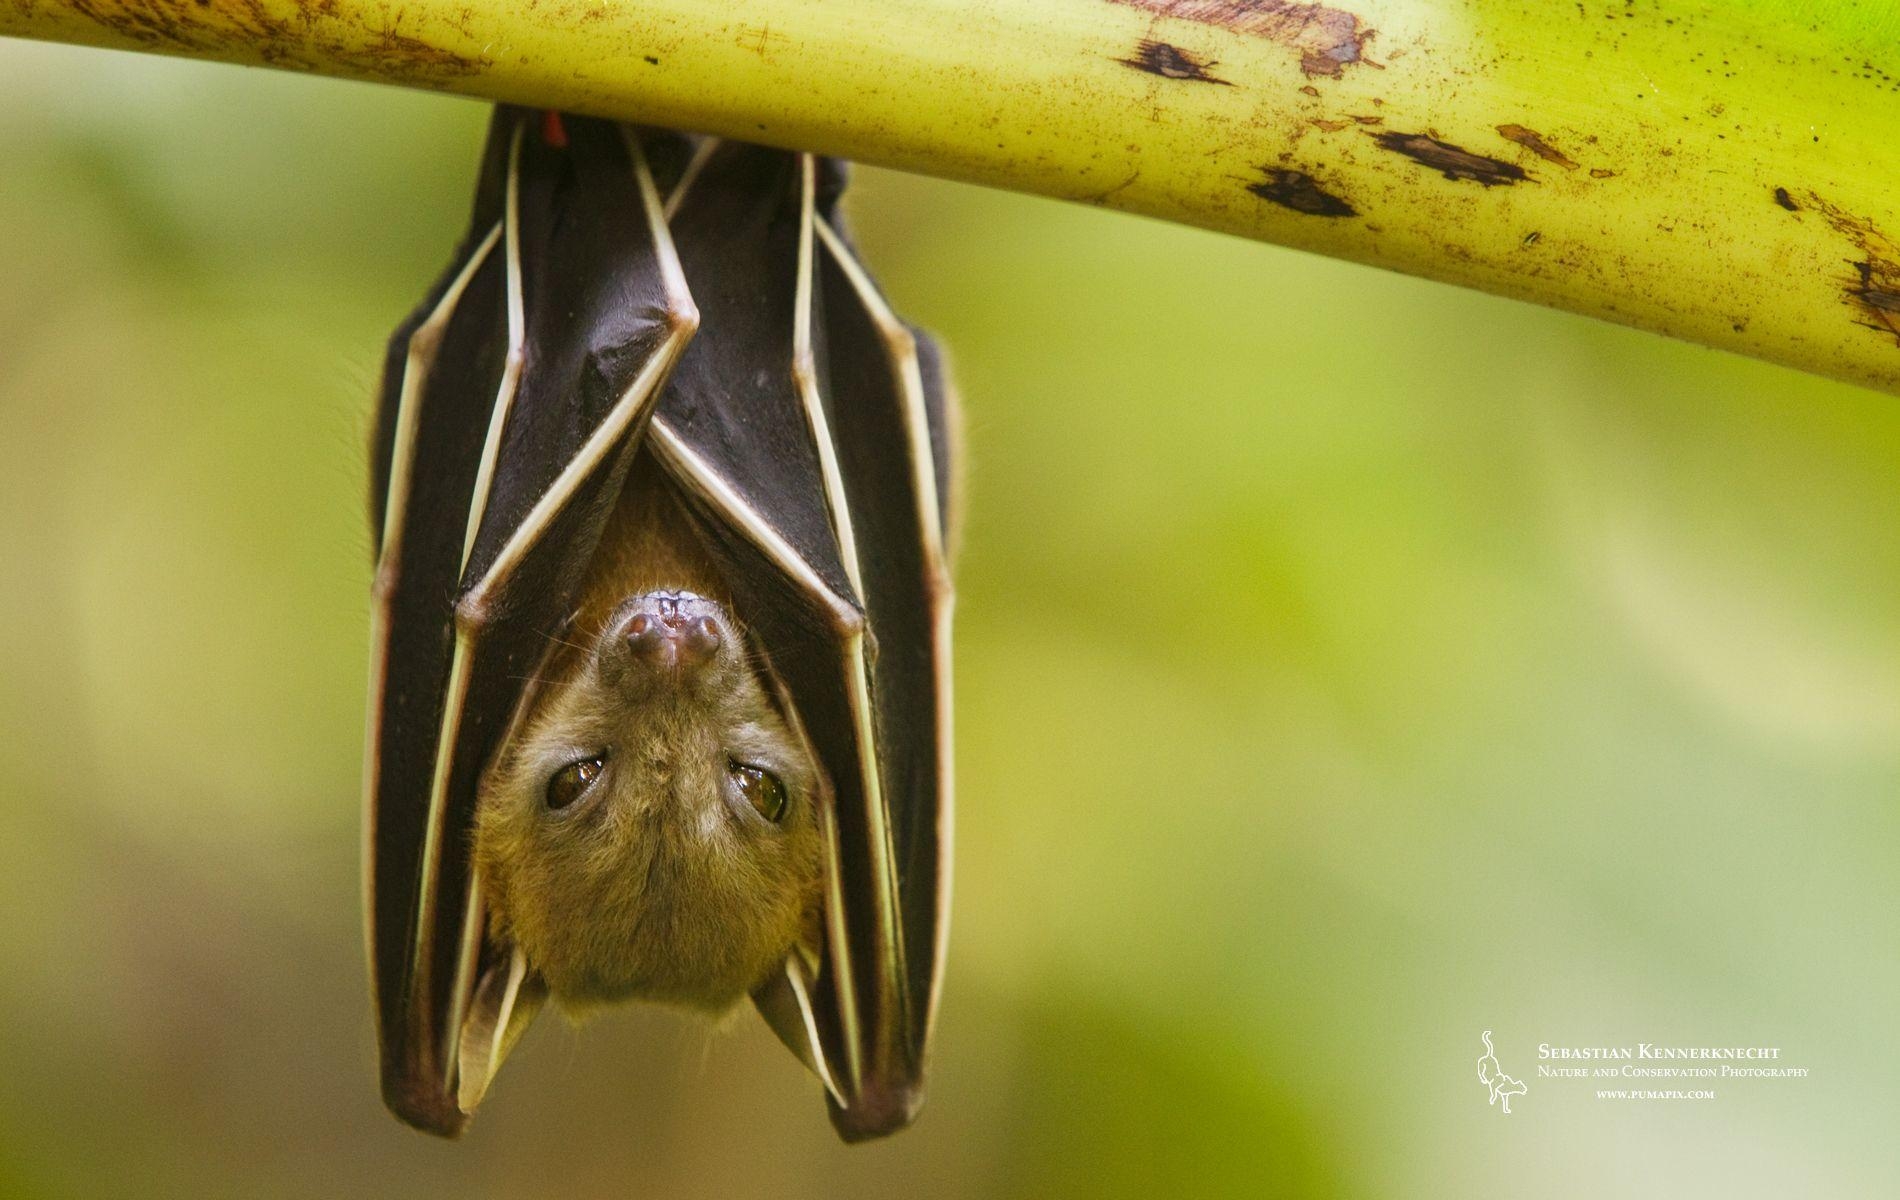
{"points": [[1347, 665]]}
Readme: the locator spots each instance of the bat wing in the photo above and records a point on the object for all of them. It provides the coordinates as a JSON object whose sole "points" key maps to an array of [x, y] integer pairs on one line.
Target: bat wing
{"points": [[512, 404], [807, 432], [887, 413]]}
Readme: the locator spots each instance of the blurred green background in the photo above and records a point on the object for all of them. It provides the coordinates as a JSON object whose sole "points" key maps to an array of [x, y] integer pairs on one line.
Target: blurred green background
{"points": [[1348, 665]]}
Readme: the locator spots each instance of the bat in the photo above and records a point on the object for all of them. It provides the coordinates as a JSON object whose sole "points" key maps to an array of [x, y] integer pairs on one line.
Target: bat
{"points": [[660, 660]]}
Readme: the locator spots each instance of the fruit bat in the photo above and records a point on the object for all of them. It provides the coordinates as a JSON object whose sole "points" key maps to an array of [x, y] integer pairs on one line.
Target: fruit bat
{"points": [[660, 683]]}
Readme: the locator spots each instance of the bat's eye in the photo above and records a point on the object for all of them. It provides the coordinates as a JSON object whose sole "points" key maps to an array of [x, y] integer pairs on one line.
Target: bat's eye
{"points": [[571, 782], [764, 790]]}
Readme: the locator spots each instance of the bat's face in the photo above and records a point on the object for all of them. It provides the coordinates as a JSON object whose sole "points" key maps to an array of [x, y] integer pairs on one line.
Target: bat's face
{"points": [[651, 832]]}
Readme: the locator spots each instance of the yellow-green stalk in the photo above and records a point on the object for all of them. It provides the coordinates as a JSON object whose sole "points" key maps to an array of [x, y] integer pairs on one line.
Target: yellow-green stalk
{"points": [[1725, 171]]}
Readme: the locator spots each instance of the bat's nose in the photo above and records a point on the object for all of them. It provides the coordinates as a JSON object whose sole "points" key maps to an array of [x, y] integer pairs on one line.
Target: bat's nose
{"points": [[672, 630]]}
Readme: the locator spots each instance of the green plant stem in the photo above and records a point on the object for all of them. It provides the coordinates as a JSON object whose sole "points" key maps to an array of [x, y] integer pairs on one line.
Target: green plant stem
{"points": [[1723, 172]]}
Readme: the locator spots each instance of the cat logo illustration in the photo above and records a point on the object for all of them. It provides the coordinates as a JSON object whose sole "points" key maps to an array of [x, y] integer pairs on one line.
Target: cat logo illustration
{"points": [[1502, 1086]]}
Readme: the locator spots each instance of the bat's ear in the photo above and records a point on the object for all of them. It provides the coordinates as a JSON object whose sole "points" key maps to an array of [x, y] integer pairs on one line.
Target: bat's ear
{"points": [[785, 1001], [506, 998]]}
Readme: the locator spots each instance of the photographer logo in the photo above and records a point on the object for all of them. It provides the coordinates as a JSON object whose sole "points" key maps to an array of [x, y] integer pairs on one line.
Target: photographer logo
{"points": [[1502, 1086]]}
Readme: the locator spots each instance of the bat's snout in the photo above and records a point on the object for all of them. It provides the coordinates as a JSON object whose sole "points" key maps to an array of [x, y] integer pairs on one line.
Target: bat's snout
{"points": [[671, 632]]}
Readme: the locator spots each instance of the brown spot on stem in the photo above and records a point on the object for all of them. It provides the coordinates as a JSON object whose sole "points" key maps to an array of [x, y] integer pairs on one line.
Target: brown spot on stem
{"points": [[314, 34], [1533, 141], [1327, 39], [1300, 192], [1453, 162], [1171, 62], [1873, 290], [1877, 287]]}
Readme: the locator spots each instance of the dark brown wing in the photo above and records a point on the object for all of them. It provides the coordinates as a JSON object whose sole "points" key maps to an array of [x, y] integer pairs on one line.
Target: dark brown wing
{"points": [[800, 427], [522, 393]]}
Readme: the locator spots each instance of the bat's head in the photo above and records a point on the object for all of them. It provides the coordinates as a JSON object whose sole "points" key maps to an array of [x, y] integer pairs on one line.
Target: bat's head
{"points": [[651, 832]]}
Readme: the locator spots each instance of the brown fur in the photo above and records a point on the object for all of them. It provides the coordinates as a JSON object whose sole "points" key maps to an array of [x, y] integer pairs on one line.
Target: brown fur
{"points": [[661, 883]]}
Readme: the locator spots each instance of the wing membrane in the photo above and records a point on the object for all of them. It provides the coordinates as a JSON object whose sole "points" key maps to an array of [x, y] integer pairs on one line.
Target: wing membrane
{"points": [[524, 436], [804, 368], [888, 454]]}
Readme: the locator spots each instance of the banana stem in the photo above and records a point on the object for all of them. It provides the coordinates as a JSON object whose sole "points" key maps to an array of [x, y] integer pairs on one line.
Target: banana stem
{"points": [[1726, 172]]}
